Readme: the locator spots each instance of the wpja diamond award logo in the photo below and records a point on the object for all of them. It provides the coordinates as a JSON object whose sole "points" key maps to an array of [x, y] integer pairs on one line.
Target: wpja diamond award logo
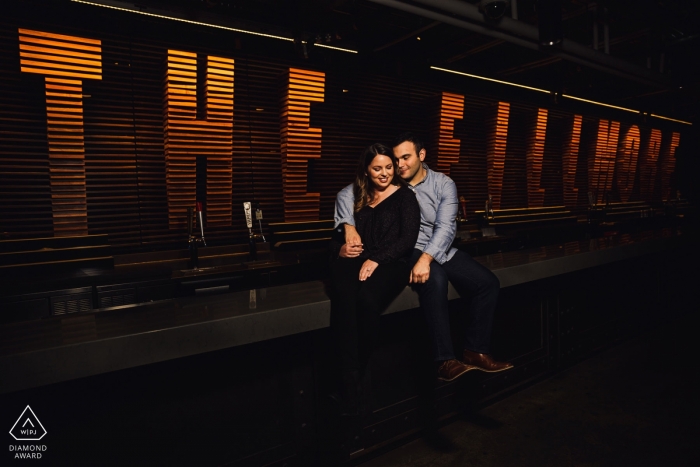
{"points": [[28, 428]]}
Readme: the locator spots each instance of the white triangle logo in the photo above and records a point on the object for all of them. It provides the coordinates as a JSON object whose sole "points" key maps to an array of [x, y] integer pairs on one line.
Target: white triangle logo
{"points": [[28, 427]]}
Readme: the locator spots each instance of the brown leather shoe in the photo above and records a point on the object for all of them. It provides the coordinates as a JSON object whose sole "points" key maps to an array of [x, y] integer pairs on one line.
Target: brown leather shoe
{"points": [[484, 362], [450, 370]]}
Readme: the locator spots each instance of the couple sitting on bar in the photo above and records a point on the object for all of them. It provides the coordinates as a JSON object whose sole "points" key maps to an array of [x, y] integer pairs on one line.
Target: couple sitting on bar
{"points": [[393, 226]]}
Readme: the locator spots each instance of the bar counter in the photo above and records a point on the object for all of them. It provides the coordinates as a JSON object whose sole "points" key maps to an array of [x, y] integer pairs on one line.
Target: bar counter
{"points": [[63, 348]]}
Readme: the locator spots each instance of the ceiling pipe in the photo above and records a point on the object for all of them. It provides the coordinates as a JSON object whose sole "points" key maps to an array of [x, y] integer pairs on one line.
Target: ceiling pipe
{"points": [[554, 59], [472, 51], [569, 50], [606, 32], [594, 9], [525, 35]]}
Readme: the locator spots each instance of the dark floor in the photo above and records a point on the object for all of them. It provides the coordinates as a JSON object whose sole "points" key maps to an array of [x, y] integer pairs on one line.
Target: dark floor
{"points": [[637, 404]]}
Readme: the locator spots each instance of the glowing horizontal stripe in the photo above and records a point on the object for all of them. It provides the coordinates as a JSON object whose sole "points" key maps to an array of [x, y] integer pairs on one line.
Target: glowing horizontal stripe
{"points": [[63, 44], [563, 95], [672, 119], [490, 79], [42, 71], [199, 23], [184, 20], [336, 48], [59, 36], [56, 51], [600, 103]]}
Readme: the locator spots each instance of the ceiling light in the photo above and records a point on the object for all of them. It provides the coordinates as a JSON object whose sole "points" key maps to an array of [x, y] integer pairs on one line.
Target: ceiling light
{"points": [[490, 79], [563, 95], [672, 119], [198, 23], [336, 48], [601, 103], [625, 109]]}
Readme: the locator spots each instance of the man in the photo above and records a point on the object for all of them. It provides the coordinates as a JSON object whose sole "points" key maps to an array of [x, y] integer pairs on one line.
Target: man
{"points": [[435, 262]]}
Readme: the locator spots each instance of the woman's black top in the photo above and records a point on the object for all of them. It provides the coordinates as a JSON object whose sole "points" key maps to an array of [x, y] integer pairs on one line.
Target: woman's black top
{"points": [[390, 229]]}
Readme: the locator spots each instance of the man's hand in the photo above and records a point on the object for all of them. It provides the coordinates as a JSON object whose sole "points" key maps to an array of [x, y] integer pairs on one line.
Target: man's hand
{"points": [[368, 268], [350, 251], [421, 270], [351, 235], [353, 243]]}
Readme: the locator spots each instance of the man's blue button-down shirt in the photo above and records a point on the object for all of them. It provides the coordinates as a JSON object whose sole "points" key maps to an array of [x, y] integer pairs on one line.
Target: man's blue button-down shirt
{"points": [[437, 197]]}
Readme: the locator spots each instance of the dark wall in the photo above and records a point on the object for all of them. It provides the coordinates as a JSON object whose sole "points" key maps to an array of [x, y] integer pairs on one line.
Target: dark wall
{"points": [[365, 102]]}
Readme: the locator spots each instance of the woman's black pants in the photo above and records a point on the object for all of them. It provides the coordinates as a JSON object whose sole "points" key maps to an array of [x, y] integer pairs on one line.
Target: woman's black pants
{"points": [[357, 305]]}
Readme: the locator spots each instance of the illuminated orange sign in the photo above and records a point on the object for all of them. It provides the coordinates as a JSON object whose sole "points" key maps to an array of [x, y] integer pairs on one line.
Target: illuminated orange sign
{"points": [[451, 109], [570, 161], [648, 164], [534, 156], [187, 138], [300, 142], [668, 165], [626, 163], [601, 167], [65, 61], [496, 151]]}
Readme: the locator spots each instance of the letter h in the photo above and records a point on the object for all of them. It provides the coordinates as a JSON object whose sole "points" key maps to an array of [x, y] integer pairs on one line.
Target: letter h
{"points": [[187, 138]]}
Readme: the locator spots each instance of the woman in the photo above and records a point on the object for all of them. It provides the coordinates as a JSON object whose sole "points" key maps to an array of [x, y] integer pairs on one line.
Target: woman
{"points": [[387, 218]]}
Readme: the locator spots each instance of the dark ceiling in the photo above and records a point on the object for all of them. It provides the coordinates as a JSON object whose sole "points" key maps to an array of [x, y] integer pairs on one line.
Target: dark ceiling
{"points": [[656, 36]]}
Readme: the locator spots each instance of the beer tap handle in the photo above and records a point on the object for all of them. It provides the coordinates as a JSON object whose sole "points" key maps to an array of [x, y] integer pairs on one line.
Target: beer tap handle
{"points": [[258, 217], [247, 207], [200, 220]]}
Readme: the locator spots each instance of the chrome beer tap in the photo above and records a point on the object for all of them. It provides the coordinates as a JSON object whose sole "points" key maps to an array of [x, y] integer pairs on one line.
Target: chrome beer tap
{"points": [[248, 209], [200, 220], [192, 240]]}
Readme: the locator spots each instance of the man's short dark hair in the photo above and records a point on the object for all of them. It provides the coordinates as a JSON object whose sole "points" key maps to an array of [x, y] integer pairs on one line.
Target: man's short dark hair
{"points": [[410, 137]]}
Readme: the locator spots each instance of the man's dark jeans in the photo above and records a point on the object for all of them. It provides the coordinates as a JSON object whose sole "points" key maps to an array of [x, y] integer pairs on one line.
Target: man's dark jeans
{"points": [[479, 289]]}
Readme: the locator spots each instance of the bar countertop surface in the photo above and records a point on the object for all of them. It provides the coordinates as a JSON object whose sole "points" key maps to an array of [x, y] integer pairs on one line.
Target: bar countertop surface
{"points": [[62, 348]]}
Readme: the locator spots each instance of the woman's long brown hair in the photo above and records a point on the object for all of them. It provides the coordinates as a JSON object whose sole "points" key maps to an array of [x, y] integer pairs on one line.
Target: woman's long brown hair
{"points": [[363, 187]]}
